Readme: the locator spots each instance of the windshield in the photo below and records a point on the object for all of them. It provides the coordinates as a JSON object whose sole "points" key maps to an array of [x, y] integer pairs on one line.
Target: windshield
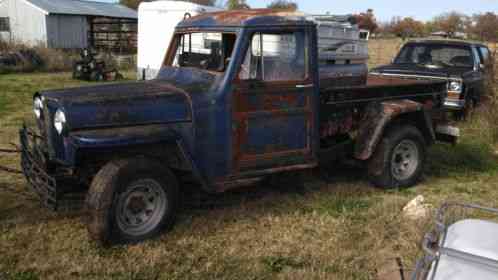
{"points": [[436, 54], [208, 51]]}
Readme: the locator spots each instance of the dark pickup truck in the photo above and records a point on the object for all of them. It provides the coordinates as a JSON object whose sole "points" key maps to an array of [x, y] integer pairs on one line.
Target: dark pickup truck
{"points": [[462, 64], [226, 118]]}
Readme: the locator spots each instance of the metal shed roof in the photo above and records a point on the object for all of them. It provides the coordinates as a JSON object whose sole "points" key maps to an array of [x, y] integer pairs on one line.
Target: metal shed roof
{"points": [[87, 8]]}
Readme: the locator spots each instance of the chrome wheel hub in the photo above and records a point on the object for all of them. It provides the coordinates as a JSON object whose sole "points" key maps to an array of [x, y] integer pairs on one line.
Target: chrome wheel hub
{"points": [[141, 207], [405, 160]]}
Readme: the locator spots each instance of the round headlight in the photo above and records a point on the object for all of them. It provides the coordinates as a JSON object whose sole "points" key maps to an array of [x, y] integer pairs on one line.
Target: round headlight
{"points": [[59, 121], [37, 107], [455, 86]]}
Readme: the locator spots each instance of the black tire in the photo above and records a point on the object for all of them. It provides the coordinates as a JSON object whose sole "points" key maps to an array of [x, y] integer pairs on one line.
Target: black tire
{"points": [[385, 167], [112, 194], [96, 76]]}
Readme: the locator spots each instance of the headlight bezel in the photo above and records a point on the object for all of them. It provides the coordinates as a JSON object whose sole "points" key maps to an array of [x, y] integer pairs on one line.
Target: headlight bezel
{"points": [[455, 86], [60, 121]]}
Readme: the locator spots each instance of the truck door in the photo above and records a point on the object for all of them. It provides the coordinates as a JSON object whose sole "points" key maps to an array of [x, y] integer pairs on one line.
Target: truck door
{"points": [[272, 104]]}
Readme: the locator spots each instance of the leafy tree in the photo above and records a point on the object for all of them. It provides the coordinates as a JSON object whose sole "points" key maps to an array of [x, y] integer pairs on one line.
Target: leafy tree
{"points": [[133, 4], [237, 5], [451, 23], [367, 20], [283, 5], [485, 27], [407, 27]]}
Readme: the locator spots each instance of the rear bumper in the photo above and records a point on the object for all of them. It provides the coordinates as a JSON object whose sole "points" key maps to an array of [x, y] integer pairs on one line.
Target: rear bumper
{"points": [[34, 167]]}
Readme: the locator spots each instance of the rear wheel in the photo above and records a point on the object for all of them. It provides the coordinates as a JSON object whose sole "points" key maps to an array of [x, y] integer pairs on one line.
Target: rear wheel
{"points": [[399, 158], [131, 200]]}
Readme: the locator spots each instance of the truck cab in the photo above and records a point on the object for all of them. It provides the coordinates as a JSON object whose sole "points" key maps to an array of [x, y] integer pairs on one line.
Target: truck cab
{"points": [[463, 64], [249, 102]]}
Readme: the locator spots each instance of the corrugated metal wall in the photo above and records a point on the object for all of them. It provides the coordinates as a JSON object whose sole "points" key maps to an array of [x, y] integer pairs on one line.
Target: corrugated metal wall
{"points": [[66, 31], [31, 26], [27, 23]]}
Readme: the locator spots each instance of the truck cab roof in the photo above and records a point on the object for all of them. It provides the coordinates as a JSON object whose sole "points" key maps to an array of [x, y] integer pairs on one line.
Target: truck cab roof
{"points": [[457, 42], [246, 18]]}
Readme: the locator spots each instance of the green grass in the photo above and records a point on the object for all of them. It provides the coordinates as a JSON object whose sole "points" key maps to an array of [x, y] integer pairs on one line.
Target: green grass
{"points": [[334, 228]]}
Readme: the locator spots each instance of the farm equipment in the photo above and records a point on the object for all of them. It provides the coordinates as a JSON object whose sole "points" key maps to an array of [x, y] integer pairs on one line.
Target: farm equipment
{"points": [[91, 69], [20, 58]]}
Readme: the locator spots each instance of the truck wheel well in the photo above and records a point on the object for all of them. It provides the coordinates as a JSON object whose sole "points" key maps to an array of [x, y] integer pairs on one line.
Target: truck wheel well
{"points": [[416, 119], [168, 154]]}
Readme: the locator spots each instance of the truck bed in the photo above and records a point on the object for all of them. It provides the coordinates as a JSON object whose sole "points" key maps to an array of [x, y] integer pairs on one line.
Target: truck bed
{"points": [[377, 88], [342, 109]]}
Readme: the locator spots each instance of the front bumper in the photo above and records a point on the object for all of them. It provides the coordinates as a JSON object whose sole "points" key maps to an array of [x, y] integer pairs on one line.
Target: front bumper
{"points": [[35, 169], [452, 104]]}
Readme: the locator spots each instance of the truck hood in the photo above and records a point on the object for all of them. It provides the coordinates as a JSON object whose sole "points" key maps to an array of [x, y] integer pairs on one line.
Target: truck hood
{"points": [[125, 104], [419, 70]]}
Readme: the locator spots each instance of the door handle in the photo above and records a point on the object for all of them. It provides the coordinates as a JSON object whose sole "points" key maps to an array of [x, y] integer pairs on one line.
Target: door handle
{"points": [[305, 86]]}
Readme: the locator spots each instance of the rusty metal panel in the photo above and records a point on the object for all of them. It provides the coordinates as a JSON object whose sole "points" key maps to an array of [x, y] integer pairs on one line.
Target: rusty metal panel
{"points": [[239, 18], [271, 121], [375, 120]]}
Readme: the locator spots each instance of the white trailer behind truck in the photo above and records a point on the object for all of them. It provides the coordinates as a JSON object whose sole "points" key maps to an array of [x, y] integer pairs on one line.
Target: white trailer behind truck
{"points": [[342, 50], [156, 23]]}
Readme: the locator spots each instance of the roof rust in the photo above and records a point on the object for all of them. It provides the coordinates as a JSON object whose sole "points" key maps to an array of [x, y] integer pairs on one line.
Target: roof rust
{"points": [[245, 17]]}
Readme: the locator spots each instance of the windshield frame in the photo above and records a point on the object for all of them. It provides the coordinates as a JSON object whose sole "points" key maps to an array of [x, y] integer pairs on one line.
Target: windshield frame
{"points": [[432, 46], [175, 44]]}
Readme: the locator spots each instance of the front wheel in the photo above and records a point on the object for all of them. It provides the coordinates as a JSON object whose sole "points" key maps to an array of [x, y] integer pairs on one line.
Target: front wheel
{"points": [[399, 158], [131, 200]]}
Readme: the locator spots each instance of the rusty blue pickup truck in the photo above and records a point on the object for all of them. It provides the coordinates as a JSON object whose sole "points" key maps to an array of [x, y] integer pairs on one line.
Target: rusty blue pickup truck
{"points": [[241, 96]]}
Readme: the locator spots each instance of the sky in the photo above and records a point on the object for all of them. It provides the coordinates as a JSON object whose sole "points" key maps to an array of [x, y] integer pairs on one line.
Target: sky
{"points": [[384, 10]]}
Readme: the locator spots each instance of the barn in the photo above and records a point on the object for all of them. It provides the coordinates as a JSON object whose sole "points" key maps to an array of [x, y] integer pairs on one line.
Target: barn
{"points": [[67, 24]]}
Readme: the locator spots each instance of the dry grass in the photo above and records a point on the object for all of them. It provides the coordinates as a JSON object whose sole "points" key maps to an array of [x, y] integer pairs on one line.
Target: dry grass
{"points": [[335, 228], [382, 51]]}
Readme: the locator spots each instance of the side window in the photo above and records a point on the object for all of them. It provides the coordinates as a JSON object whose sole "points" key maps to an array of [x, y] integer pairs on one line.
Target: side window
{"points": [[484, 54], [477, 56], [4, 24], [276, 57]]}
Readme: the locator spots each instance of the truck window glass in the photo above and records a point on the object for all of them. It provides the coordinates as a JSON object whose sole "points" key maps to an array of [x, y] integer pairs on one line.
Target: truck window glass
{"points": [[484, 54], [275, 57], [477, 55], [209, 51], [436, 54]]}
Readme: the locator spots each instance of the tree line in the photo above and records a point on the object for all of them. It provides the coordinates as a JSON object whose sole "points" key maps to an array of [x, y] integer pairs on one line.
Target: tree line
{"points": [[482, 27]]}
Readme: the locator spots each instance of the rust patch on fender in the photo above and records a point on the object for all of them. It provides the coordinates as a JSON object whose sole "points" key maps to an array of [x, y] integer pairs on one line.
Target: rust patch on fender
{"points": [[375, 120]]}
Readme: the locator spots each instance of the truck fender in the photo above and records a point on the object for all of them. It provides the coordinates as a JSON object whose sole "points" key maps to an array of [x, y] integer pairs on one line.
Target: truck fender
{"points": [[378, 116], [163, 144]]}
